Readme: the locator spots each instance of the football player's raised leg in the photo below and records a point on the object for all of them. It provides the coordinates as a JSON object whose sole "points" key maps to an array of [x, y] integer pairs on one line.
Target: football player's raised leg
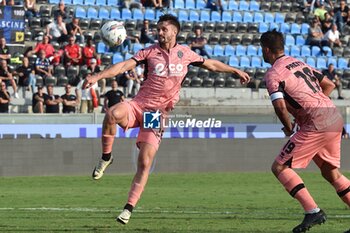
{"points": [[118, 114], [144, 163]]}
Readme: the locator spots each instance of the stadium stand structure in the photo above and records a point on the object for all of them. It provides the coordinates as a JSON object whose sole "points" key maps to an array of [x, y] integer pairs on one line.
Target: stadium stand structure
{"points": [[233, 35]]}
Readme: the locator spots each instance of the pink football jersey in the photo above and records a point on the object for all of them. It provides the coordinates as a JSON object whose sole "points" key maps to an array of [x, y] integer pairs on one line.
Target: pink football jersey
{"points": [[299, 84], [164, 73]]}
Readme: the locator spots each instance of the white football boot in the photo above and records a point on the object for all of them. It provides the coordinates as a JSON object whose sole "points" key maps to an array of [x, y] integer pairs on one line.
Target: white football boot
{"points": [[124, 217], [100, 168]]}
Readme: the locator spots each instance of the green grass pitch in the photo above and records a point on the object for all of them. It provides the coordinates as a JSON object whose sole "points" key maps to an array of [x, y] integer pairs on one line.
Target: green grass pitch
{"points": [[192, 202]]}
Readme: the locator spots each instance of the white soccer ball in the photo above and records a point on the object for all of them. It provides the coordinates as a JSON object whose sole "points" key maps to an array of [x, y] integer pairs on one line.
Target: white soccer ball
{"points": [[113, 33]]}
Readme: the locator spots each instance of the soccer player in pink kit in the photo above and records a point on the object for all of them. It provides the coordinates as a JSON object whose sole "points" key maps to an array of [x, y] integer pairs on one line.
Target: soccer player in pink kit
{"points": [[299, 89], [165, 68]]}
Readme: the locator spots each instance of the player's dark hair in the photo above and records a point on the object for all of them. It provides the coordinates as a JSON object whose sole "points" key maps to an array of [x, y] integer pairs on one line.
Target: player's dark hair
{"points": [[172, 19], [273, 40]]}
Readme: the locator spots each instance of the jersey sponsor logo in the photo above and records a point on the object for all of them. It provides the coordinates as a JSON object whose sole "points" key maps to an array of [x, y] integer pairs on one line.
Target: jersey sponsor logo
{"points": [[174, 70]]}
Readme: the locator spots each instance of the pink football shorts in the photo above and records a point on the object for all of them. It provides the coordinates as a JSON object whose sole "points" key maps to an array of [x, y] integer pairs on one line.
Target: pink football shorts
{"points": [[320, 146]]}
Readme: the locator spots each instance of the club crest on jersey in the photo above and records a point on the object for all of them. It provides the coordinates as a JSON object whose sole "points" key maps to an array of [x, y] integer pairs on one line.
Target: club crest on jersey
{"points": [[180, 54]]}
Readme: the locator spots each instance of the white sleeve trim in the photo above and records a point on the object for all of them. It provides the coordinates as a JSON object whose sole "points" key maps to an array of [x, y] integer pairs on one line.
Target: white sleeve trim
{"points": [[276, 95]]}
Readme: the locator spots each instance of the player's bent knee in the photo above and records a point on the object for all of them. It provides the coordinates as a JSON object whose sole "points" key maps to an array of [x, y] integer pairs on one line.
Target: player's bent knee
{"points": [[276, 168]]}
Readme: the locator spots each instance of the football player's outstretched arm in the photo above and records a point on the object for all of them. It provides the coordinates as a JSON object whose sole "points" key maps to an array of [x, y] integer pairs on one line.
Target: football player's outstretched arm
{"points": [[110, 72], [327, 86], [218, 66]]}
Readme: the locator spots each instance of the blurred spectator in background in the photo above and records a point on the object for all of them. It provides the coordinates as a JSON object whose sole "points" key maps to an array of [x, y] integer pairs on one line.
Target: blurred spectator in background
{"points": [[131, 3], [333, 37], [2, 2], [31, 9], [46, 46], [43, 66], [89, 52], [198, 43], [94, 68], [72, 52], [146, 33], [26, 76], [69, 101], [4, 50], [7, 77], [38, 101], [113, 96], [57, 57], [132, 82], [214, 5], [74, 29], [52, 101], [57, 30], [320, 11], [85, 96], [153, 3], [326, 24], [341, 15], [315, 36], [331, 75], [62, 11], [4, 98]]}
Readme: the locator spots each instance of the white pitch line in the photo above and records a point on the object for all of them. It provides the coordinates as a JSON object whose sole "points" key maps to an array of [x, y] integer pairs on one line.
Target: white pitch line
{"points": [[82, 209]]}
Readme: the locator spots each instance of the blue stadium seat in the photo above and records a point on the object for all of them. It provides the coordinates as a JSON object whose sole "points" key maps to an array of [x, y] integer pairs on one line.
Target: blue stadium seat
{"points": [[321, 63], [295, 28], [115, 13], [137, 14], [117, 57], [229, 50], [101, 3], [305, 51], [113, 3], [315, 51], [190, 4], [256, 62], [54, 2], [224, 5], [101, 48], [80, 12], [241, 50], [332, 60], [209, 49], [289, 40], [150, 14], [258, 17], [127, 56], [311, 61], [263, 27], [244, 61], [300, 59], [200, 4], [328, 50], [92, 13], [252, 50], [215, 16], [237, 17], [78, 2], [266, 65], [305, 28], [274, 25], [136, 47], [179, 4], [226, 16], [169, 12], [342, 63], [260, 51], [300, 40], [279, 18], [183, 15], [194, 15], [269, 18], [254, 6], [234, 61], [126, 14], [233, 5], [67, 2], [205, 16], [103, 13], [243, 5], [284, 28], [218, 50], [89, 2], [247, 17], [286, 50], [295, 51]]}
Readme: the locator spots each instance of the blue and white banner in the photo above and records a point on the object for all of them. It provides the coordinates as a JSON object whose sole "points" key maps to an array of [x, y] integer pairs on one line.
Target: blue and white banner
{"points": [[12, 24]]}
